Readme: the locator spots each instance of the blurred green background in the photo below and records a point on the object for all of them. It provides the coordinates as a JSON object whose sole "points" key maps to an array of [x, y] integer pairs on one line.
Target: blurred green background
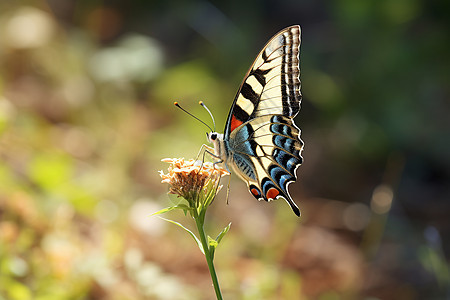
{"points": [[86, 115]]}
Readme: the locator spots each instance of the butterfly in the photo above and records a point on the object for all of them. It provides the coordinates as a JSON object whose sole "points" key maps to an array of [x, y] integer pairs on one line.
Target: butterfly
{"points": [[261, 142]]}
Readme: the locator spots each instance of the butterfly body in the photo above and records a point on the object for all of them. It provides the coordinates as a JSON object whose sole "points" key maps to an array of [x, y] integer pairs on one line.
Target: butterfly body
{"points": [[261, 142]]}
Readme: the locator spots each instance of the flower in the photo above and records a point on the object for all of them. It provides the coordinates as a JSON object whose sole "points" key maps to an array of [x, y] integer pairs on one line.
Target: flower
{"points": [[198, 183], [193, 180]]}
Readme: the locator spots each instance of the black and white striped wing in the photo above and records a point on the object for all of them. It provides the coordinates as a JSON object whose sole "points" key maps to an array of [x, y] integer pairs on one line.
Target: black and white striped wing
{"points": [[263, 142]]}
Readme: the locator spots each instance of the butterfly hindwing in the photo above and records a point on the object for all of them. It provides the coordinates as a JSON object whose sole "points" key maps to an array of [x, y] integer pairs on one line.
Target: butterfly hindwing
{"points": [[266, 152], [262, 142]]}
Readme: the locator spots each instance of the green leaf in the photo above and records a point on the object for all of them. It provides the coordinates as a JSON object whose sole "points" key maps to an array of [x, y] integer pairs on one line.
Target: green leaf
{"points": [[213, 243], [167, 209], [222, 233], [212, 191], [199, 244]]}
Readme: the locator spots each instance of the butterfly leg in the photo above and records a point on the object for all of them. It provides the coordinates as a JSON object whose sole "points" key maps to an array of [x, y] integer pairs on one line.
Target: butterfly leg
{"points": [[210, 150], [205, 148], [228, 187], [219, 161]]}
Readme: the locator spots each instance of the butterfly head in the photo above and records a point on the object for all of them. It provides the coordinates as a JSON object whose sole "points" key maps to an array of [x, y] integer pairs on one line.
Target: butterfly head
{"points": [[217, 140], [211, 136], [214, 137]]}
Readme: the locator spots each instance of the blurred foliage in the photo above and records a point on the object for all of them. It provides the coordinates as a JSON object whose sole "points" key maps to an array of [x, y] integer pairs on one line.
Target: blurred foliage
{"points": [[86, 114]]}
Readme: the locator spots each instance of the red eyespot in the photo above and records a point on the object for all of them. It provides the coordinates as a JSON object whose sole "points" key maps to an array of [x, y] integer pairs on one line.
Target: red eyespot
{"points": [[255, 192], [272, 193]]}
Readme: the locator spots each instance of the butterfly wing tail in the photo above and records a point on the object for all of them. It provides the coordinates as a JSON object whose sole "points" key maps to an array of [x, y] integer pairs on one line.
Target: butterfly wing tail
{"points": [[292, 204]]}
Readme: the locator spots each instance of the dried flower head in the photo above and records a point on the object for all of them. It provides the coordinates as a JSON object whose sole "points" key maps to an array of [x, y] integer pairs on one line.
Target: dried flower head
{"points": [[193, 180]]}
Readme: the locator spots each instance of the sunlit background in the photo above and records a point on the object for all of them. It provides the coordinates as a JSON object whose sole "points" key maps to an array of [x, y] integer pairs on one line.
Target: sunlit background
{"points": [[86, 114]]}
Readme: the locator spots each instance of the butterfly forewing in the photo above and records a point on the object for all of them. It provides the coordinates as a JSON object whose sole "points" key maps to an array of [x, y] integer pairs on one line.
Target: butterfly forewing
{"points": [[272, 85], [262, 142]]}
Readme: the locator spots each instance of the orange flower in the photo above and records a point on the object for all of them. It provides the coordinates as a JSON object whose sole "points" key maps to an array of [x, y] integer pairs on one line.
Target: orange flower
{"points": [[193, 180]]}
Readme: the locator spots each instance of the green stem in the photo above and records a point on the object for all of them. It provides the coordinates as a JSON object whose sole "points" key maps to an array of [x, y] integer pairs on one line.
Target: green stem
{"points": [[199, 220]]}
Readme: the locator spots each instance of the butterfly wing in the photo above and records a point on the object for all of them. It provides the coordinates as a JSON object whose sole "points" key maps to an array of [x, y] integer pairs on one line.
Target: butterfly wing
{"points": [[262, 142]]}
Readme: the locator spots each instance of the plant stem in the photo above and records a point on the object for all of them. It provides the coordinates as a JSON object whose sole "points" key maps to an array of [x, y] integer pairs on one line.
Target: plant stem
{"points": [[199, 220]]}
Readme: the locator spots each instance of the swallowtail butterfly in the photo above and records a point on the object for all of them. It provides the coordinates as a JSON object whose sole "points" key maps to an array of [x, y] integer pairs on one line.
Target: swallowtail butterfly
{"points": [[261, 142]]}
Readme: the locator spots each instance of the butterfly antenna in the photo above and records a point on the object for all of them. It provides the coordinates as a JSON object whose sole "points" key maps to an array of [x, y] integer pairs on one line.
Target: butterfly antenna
{"points": [[178, 105], [212, 117]]}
